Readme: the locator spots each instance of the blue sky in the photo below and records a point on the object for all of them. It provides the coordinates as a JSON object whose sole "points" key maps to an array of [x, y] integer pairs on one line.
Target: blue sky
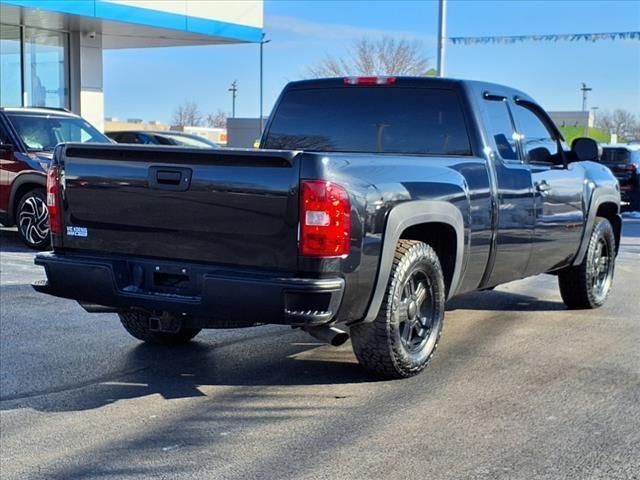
{"points": [[303, 32]]}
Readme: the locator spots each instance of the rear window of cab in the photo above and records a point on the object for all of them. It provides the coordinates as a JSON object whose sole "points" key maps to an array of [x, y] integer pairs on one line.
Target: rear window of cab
{"points": [[414, 121]]}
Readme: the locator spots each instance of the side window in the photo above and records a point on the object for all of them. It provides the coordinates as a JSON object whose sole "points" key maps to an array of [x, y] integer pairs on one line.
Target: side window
{"points": [[501, 129], [144, 139], [536, 139], [128, 138]]}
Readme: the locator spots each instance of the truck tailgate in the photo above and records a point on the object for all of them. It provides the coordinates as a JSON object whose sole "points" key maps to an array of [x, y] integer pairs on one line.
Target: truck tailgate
{"points": [[235, 207]]}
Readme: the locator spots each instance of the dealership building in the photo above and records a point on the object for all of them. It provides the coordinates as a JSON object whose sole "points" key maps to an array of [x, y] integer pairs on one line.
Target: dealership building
{"points": [[51, 50]]}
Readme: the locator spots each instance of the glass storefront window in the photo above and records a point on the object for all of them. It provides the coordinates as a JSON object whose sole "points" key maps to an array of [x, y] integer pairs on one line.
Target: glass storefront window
{"points": [[43, 60], [10, 66], [45, 68]]}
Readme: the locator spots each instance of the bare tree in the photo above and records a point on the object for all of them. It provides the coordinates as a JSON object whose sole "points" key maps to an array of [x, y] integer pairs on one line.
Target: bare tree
{"points": [[217, 120], [187, 114], [384, 56], [621, 122]]}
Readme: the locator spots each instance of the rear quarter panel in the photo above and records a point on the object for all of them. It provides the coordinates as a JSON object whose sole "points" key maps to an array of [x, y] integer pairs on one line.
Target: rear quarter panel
{"points": [[377, 184]]}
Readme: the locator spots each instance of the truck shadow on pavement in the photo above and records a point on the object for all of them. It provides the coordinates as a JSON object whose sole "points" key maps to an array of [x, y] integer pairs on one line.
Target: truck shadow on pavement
{"points": [[257, 358], [236, 381], [276, 357], [500, 301], [260, 358]]}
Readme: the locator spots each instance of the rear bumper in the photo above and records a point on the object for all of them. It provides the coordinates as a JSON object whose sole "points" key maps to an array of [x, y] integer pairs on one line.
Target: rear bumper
{"points": [[204, 291]]}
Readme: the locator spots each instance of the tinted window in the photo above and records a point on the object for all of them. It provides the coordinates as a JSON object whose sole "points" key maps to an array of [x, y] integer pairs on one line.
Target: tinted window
{"points": [[128, 137], [615, 155], [500, 128], [162, 141], [44, 132], [537, 142], [143, 138], [370, 119], [187, 140]]}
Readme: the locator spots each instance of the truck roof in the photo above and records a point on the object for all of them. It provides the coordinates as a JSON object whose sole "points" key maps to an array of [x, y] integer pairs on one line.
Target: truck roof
{"points": [[437, 82], [424, 82], [62, 112]]}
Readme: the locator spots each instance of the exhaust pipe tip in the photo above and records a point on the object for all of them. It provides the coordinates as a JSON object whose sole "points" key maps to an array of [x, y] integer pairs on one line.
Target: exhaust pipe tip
{"points": [[340, 338], [331, 335]]}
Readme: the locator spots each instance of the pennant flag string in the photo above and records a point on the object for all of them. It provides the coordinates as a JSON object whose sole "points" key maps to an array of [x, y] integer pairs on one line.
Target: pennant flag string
{"points": [[562, 37]]}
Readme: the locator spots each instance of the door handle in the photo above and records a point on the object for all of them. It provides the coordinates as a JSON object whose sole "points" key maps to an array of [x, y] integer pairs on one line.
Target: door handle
{"points": [[542, 186], [169, 178]]}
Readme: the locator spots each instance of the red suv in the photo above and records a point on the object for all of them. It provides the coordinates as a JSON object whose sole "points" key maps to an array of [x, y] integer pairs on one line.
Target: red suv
{"points": [[27, 139]]}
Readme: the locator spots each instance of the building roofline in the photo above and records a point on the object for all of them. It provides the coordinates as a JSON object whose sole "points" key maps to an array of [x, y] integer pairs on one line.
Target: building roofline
{"points": [[121, 13]]}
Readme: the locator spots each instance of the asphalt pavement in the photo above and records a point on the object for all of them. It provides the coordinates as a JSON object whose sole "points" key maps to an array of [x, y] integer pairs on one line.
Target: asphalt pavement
{"points": [[520, 388]]}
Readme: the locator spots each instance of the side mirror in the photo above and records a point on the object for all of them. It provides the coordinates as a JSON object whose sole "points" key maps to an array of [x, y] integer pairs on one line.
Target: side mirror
{"points": [[584, 148]]}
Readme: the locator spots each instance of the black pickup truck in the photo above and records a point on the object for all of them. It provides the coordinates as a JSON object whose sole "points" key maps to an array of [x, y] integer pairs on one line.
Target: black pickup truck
{"points": [[371, 202]]}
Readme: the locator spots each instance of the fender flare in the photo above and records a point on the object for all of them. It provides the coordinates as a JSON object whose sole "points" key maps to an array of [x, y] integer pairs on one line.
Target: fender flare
{"points": [[399, 219], [38, 179], [598, 197]]}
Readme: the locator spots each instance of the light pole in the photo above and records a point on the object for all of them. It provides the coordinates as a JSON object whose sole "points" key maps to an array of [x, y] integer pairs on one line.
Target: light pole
{"points": [[234, 90], [584, 90], [442, 35], [262, 42]]}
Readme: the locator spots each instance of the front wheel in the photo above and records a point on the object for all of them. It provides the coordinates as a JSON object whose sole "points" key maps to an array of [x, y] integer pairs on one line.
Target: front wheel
{"points": [[403, 337], [588, 285], [33, 219]]}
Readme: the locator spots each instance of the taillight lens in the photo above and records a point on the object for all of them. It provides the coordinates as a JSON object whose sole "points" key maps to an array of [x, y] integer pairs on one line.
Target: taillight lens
{"points": [[53, 200], [325, 219]]}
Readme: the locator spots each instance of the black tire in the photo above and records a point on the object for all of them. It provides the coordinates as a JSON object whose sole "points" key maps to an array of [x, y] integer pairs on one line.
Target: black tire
{"points": [[32, 220], [588, 285], [634, 205], [382, 346], [137, 324]]}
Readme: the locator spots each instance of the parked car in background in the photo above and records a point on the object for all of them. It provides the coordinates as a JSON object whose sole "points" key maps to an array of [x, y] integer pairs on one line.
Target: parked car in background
{"points": [[371, 202], [168, 137], [27, 139], [624, 162]]}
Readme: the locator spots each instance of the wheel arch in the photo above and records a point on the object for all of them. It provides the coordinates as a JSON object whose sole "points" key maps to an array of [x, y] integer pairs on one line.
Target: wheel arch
{"points": [[609, 210], [21, 185], [604, 203], [438, 223]]}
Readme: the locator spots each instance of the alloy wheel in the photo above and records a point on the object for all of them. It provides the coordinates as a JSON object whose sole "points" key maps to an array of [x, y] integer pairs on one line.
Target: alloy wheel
{"points": [[602, 269], [416, 312], [33, 220]]}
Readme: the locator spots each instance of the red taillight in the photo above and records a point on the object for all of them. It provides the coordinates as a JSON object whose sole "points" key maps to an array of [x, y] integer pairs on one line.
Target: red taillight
{"points": [[369, 80], [631, 167], [325, 219], [53, 200]]}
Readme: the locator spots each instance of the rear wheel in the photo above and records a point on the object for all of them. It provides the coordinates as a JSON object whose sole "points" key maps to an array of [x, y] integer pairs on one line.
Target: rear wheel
{"points": [[588, 285], [32, 219], [403, 337], [137, 324]]}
